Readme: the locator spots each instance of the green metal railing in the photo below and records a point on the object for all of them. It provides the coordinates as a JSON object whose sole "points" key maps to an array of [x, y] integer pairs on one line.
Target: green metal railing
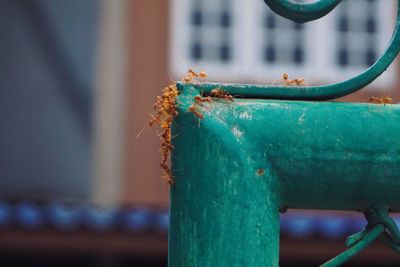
{"points": [[264, 153]]}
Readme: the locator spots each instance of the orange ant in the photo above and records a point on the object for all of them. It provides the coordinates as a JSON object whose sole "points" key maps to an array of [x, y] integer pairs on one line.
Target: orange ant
{"points": [[295, 82], [192, 73], [219, 93], [187, 79], [285, 77], [382, 100], [194, 110], [191, 76], [200, 100], [202, 75]]}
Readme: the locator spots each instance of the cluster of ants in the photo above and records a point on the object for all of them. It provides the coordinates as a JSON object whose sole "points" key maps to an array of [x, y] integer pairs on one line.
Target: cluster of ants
{"points": [[165, 110], [192, 77], [381, 100], [200, 100]]}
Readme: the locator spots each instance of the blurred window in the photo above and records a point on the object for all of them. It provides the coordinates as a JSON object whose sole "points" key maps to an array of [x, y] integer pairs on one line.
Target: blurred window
{"points": [[244, 41], [358, 31], [211, 23], [283, 40]]}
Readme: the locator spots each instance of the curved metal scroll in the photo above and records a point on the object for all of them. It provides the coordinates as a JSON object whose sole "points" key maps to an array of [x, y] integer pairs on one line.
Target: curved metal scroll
{"points": [[306, 12], [299, 12], [317, 9]]}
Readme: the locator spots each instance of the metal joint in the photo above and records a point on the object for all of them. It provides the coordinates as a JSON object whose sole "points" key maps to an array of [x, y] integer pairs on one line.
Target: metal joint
{"points": [[380, 224]]}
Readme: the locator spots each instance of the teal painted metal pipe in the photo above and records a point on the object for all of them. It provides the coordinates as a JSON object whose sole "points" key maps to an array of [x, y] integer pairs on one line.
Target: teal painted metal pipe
{"points": [[249, 158], [302, 12]]}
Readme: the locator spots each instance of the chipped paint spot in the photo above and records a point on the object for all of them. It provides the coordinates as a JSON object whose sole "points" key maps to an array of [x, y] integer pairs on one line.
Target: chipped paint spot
{"points": [[245, 115], [301, 119], [236, 131]]}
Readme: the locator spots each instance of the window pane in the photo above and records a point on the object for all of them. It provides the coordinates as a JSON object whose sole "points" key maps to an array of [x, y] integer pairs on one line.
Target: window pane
{"points": [[211, 30], [357, 33], [283, 40]]}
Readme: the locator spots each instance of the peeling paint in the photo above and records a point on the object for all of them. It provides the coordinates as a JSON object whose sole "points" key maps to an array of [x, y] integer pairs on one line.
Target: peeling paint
{"points": [[236, 131], [245, 116], [301, 119]]}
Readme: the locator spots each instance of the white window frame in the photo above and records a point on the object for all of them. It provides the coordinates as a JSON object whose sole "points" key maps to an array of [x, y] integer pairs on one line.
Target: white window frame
{"points": [[247, 63]]}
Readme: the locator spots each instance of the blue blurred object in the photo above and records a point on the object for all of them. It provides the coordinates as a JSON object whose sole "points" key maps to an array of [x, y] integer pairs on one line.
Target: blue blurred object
{"points": [[396, 219], [100, 219], [137, 220], [299, 226], [161, 221], [284, 223], [5, 214], [333, 227], [29, 215], [64, 217], [358, 224]]}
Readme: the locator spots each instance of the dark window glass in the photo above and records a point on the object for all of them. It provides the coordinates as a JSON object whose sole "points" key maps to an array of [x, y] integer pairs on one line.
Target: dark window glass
{"points": [[270, 54], [225, 53], [270, 21], [298, 55], [343, 24], [343, 57], [196, 51], [297, 26], [197, 18], [370, 57], [225, 19], [371, 25]]}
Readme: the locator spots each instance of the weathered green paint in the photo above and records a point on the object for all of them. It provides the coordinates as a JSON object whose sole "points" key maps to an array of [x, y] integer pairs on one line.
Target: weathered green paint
{"points": [[223, 213], [251, 157]]}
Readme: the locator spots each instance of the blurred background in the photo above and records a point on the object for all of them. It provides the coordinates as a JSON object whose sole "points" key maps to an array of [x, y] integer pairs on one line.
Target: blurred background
{"points": [[78, 80]]}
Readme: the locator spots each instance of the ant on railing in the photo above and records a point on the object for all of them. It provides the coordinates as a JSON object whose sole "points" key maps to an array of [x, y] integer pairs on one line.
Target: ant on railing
{"points": [[294, 82], [381, 100], [219, 93]]}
